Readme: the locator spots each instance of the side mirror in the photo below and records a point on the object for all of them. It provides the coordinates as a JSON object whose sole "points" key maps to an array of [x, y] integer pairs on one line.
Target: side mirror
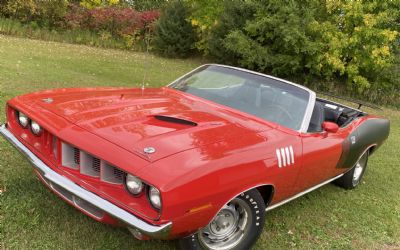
{"points": [[330, 127]]}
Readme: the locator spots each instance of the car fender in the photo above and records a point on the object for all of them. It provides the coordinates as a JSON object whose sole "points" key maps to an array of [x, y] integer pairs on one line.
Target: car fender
{"points": [[371, 132]]}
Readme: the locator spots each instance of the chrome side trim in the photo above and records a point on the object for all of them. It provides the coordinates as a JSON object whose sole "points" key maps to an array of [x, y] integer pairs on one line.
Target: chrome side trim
{"points": [[302, 193], [367, 149], [49, 175]]}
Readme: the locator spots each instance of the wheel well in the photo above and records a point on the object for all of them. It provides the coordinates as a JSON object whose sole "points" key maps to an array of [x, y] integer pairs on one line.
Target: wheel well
{"points": [[267, 192], [371, 150]]}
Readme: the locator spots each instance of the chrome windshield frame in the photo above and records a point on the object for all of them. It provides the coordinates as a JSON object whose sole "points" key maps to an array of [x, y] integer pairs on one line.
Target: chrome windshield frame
{"points": [[311, 101]]}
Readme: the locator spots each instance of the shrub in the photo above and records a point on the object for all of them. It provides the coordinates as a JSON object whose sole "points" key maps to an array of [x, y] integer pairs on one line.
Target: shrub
{"points": [[174, 35], [125, 23], [51, 13], [30, 30], [45, 13], [23, 10]]}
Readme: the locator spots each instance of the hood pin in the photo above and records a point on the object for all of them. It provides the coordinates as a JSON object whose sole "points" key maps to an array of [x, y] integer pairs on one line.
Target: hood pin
{"points": [[149, 150], [47, 100]]}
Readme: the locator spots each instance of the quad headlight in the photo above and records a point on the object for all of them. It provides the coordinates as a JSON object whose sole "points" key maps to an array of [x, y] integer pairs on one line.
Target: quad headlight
{"points": [[23, 120], [134, 184], [36, 128], [155, 197]]}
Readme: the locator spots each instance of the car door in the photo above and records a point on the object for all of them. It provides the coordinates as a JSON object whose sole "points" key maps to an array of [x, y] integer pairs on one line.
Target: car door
{"points": [[321, 153]]}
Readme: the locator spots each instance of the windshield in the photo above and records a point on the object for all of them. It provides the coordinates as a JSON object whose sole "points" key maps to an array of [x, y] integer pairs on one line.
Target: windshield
{"points": [[259, 95]]}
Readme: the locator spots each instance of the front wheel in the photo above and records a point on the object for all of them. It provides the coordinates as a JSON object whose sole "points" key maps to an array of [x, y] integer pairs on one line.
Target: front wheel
{"points": [[236, 226]]}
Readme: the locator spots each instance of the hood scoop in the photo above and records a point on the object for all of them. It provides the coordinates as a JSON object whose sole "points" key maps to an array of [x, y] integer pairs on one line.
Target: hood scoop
{"points": [[172, 119]]}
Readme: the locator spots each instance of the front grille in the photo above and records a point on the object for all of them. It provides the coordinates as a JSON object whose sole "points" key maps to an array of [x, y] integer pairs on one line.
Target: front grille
{"points": [[62, 191], [78, 202], [96, 165], [119, 174], [84, 205], [77, 159], [111, 174], [88, 207], [77, 156], [68, 156]]}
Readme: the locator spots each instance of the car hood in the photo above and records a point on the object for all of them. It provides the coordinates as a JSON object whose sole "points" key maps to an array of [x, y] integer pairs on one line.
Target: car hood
{"points": [[161, 121]]}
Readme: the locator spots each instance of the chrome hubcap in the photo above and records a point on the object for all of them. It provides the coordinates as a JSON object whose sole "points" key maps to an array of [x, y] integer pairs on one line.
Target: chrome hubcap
{"points": [[228, 227], [359, 169], [357, 172], [225, 222]]}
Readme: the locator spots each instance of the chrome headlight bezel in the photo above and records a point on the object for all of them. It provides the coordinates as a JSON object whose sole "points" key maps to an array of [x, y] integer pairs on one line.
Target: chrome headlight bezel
{"points": [[140, 185], [36, 129], [23, 120], [154, 196]]}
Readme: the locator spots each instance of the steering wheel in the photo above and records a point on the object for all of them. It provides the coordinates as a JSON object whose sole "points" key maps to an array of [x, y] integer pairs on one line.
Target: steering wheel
{"points": [[282, 116]]}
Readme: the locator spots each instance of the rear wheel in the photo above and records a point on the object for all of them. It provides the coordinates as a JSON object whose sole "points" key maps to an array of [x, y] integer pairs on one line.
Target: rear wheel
{"points": [[352, 178], [236, 226]]}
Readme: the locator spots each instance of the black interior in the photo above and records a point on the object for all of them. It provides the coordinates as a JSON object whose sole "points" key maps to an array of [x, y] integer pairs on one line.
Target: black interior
{"points": [[257, 101], [317, 118], [325, 110]]}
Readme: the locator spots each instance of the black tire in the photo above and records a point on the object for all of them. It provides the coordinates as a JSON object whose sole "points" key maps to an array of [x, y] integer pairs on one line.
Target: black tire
{"points": [[352, 178], [254, 206]]}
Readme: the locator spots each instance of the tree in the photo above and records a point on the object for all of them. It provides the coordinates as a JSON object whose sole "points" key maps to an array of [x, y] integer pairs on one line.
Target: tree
{"points": [[351, 39], [174, 35], [203, 17], [234, 16]]}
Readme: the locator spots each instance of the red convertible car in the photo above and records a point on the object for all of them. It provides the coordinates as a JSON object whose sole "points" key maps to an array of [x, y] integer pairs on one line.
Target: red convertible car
{"points": [[201, 160]]}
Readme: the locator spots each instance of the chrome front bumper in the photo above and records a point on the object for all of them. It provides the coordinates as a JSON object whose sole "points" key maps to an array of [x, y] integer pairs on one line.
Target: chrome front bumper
{"points": [[50, 176]]}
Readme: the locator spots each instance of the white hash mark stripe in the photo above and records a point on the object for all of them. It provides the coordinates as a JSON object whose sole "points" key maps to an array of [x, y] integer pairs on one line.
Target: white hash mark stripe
{"points": [[278, 155], [283, 156], [287, 155], [291, 153]]}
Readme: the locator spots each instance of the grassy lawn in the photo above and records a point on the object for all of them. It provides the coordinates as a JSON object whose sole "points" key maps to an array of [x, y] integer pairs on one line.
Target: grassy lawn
{"points": [[33, 217]]}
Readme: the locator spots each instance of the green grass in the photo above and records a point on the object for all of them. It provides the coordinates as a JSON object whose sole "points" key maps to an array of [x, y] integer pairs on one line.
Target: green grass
{"points": [[31, 217]]}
